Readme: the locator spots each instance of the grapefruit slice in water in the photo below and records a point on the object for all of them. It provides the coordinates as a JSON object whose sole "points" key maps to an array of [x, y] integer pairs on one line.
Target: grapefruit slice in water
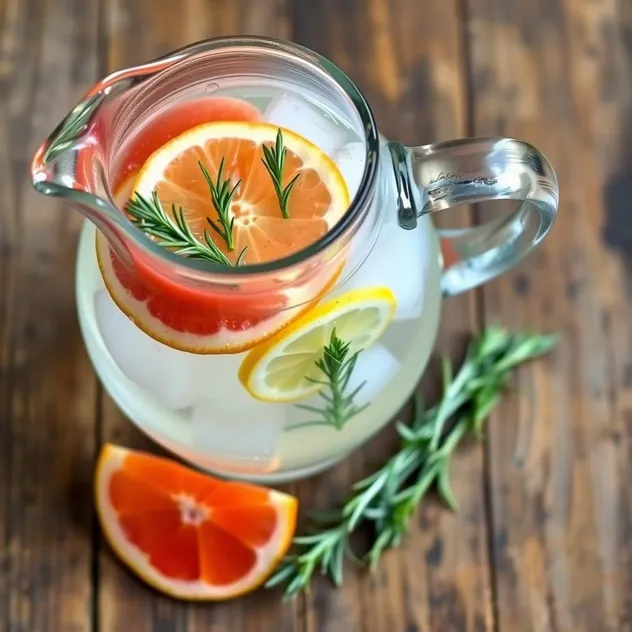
{"points": [[190, 317]]}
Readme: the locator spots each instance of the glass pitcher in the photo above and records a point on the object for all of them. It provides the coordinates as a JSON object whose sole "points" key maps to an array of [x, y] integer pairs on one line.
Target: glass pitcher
{"points": [[276, 370]]}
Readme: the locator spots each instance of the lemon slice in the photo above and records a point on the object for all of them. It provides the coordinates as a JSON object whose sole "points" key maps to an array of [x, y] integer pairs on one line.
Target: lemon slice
{"points": [[282, 368]]}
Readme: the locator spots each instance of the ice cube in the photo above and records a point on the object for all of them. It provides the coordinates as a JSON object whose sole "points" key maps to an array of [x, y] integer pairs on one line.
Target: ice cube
{"points": [[400, 260], [351, 159], [299, 115], [374, 369], [216, 376], [168, 374], [237, 432]]}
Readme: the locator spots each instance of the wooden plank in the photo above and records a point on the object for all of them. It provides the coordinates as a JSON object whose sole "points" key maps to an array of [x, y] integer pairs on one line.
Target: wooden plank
{"points": [[408, 63], [47, 390], [136, 32], [334, 30], [559, 74]]}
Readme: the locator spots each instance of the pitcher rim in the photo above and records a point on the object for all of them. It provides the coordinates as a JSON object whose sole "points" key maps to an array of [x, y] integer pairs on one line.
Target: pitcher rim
{"points": [[360, 200]]}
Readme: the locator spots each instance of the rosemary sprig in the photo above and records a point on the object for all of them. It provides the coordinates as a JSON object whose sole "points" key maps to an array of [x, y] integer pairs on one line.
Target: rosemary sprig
{"points": [[387, 499], [173, 232], [336, 365], [221, 195], [274, 162]]}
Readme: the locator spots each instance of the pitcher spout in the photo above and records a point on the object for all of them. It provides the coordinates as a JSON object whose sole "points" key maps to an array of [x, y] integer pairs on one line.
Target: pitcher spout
{"points": [[71, 164], [77, 162]]}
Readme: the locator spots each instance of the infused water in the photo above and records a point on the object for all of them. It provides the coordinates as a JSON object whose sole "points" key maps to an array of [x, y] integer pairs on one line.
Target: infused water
{"points": [[195, 404]]}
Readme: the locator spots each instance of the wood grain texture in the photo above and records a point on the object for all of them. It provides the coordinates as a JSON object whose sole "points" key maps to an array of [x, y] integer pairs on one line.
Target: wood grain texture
{"points": [[445, 562], [325, 27], [542, 541], [47, 389], [559, 75]]}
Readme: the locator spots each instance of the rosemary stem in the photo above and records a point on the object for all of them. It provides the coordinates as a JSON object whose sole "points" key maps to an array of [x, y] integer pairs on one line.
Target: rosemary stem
{"points": [[387, 499]]}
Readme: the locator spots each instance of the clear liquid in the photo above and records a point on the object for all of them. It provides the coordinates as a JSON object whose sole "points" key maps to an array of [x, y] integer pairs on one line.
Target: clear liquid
{"points": [[195, 405]]}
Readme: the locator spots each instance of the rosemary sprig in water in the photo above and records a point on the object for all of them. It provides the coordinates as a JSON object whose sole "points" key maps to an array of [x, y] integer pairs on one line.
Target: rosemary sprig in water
{"points": [[336, 365], [222, 195], [274, 162], [172, 231], [387, 499]]}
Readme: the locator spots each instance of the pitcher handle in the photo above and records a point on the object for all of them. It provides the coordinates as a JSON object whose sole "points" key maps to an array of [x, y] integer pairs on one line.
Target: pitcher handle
{"points": [[433, 178]]}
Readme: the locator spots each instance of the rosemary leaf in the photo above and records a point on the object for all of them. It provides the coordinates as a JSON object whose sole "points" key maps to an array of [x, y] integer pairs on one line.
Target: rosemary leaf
{"points": [[172, 232], [222, 196], [336, 364], [274, 162]]}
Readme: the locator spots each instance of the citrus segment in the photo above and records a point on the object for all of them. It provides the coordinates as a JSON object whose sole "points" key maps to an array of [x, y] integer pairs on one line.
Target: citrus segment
{"points": [[189, 316], [187, 534], [284, 367]]}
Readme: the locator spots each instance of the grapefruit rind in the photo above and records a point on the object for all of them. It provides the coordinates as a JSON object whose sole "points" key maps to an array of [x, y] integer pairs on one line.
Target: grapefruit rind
{"points": [[111, 459]]}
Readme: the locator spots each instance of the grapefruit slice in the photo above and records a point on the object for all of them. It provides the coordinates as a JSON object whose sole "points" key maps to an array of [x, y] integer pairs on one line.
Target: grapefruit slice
{"points": [[199, 319], [318, 200], [189, 535]]}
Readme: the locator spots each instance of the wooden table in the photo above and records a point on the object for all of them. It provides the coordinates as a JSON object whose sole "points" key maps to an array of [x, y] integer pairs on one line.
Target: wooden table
{"points": [[543, 539]]}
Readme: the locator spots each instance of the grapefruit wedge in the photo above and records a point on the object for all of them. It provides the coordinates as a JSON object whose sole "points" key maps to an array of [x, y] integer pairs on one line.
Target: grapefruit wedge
{"points": [[189, 535]]}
